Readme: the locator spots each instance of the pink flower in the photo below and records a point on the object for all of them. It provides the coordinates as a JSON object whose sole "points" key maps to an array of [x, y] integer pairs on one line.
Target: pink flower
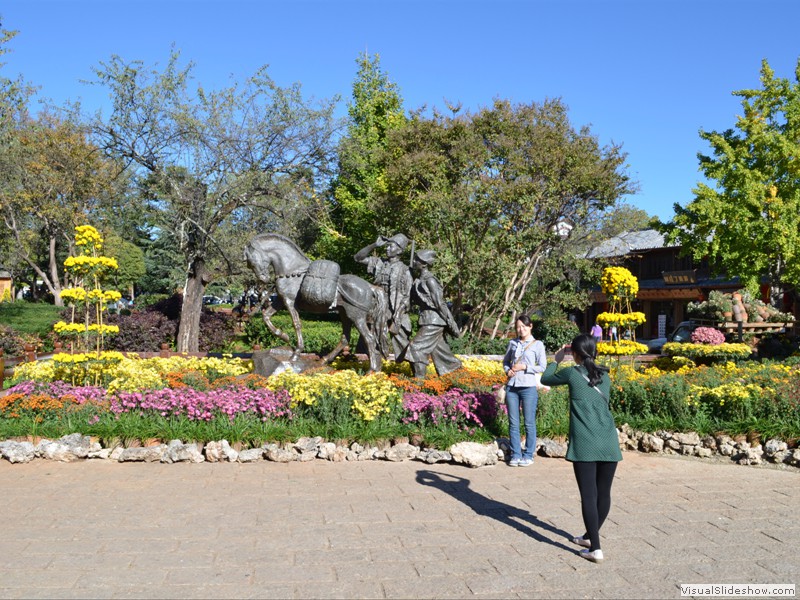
{"points": [[708, 335]]}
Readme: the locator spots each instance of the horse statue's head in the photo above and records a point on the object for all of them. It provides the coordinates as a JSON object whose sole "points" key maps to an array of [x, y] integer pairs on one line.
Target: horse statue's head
{"points": [[269, 253]]}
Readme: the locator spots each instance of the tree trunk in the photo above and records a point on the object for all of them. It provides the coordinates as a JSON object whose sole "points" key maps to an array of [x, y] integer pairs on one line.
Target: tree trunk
{"points": [[189, 328]]}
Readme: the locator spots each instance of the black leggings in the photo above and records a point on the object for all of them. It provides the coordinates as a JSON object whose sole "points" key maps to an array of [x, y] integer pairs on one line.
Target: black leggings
{"points": [[594, 483]]}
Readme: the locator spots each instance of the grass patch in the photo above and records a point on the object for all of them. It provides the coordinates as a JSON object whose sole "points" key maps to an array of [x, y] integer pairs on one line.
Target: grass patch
{"points": [[28, 317]]}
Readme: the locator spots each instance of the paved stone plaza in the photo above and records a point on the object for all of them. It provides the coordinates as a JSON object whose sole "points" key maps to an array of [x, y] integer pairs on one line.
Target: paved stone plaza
{"points": [[98, 529]]}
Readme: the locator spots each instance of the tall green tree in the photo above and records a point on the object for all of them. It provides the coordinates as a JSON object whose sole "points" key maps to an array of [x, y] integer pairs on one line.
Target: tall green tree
{"points": [[375, 110], [14, 96], [56, 180], [252, 153], [130, 259], [492, 192], [747, 221]]}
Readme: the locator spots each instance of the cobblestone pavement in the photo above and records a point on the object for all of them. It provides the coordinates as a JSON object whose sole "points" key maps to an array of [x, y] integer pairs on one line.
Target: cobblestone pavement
{"points": [[97, 529]]}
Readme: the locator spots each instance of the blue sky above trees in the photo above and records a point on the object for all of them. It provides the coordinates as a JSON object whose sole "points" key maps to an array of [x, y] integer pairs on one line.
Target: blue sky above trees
{"points": [[647, 74]]}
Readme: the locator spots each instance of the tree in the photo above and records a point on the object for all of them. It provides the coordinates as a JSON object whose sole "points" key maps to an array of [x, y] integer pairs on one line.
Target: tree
{"points": [[376, 109], [55, 180], [491, 191], [130, 261], [14, 95], [748, 223], [214, 161], [621, 218]]}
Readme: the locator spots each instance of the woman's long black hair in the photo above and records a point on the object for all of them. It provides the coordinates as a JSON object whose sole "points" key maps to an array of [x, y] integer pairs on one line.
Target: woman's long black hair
{"points": [[585, 346]]}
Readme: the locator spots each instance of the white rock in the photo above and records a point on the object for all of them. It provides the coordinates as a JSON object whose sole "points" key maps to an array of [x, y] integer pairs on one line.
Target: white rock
{"points": [[474, 454], [251, 455], [401, 452], [17, 452]]}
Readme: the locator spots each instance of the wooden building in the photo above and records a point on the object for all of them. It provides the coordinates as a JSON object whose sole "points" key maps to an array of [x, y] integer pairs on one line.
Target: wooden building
{"points": [[667, 281], [6, 285]]}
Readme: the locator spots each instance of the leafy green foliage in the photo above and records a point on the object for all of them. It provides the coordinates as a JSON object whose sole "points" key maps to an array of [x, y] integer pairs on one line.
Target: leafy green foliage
{"points": [[353, 222], [130, 259], [214, 164], [320, 336], [748, 223], [554, 331], [489, 192], [471, 344]]}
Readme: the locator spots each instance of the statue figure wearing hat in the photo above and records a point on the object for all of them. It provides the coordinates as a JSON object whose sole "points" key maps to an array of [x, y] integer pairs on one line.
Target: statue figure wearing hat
{"points": [[394, 276], [435, 319]]}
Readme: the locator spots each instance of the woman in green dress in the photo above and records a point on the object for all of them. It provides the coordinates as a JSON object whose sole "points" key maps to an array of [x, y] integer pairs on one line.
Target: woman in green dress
{"points": [[593, 439]]}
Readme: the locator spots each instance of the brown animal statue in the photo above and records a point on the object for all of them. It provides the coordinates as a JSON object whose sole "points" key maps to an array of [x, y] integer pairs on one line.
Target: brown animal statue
{"points": [[317, 287]]}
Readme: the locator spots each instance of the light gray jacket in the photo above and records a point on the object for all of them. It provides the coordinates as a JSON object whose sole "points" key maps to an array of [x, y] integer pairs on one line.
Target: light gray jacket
{"points": [[533, 357]]}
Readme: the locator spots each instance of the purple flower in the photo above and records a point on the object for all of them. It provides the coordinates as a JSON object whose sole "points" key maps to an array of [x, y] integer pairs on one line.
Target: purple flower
{"points": [[464, 410], [205, 405], [708, 335]]}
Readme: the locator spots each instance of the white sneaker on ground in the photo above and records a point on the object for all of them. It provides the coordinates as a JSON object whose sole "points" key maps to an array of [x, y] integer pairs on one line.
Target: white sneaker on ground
{"points": [[514, 462], [594, 556], [582, 541], [526, 462]]}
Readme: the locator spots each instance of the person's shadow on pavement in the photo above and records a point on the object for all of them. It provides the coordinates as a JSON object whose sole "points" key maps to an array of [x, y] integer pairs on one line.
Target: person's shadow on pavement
{"points": [[513, 516]]}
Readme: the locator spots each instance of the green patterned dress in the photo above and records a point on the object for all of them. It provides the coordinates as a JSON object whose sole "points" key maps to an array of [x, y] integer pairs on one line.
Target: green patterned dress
{"points": [[592, 432]]}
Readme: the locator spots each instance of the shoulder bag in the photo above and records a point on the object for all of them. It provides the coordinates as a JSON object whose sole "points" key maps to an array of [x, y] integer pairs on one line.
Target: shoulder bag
{"points": [[500, 393]]}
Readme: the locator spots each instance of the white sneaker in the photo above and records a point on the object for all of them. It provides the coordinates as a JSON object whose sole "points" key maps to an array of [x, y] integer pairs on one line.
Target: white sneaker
{"points": [[514, 462], [595, 557], [582, 541], [526, 462]]}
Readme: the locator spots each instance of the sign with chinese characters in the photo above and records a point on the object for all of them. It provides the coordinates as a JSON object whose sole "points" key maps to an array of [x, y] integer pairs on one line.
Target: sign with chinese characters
{"points": [[679, 277]]}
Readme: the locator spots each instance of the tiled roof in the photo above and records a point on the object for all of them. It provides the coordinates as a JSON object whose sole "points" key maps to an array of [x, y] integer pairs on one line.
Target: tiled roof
{"points": [[627, 242]]}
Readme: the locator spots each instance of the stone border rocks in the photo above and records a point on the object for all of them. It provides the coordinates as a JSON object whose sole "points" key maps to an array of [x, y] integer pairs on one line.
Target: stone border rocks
{"points": [[739, 449], [78, 447], [472, 454]]}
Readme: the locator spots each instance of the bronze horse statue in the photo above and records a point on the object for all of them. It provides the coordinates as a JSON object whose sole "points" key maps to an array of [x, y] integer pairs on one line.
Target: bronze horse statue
{"points": [[317, 287]]}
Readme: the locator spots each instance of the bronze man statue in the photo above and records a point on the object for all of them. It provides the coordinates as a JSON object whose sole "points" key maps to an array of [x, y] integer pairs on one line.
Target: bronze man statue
{"points": [[435, 319], [395, 278]]}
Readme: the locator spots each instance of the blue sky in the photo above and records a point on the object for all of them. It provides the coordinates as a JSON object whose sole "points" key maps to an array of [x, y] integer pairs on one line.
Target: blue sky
{"points": [[648, 74]]}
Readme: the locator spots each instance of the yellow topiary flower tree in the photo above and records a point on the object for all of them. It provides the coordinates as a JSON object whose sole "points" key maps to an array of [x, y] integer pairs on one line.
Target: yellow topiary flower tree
{"points": [[87, 299], [620, 287]]}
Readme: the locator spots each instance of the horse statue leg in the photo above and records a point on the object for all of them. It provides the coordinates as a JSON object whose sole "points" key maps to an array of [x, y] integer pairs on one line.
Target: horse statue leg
{"points": [[360, 321], [267, 314], [364, 306], [344, 340], [297, 327]]}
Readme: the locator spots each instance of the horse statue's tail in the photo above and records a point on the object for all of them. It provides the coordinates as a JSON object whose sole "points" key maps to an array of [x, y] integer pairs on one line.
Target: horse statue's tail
{"points": [[378, 316]]}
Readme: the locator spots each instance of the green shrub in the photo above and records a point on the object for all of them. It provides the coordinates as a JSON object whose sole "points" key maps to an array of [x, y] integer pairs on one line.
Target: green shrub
{"points": [[468, 344], [320, 335], [552, 413], [778, 345], [146, 300], [664, 396], [554, 331]]}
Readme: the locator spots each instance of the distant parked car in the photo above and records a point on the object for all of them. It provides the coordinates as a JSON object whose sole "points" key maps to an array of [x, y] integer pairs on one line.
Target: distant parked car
{"points": [[120, 305], [681, 334], [211, 300]]}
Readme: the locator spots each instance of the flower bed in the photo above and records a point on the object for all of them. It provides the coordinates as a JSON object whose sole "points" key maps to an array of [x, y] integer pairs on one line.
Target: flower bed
{"points": [[621, 348], [202, 400], [709, 352], [207, 398]]}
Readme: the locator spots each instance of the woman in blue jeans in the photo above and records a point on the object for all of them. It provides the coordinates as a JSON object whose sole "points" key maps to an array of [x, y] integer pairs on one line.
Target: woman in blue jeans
{"points": [[525, 360]]}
